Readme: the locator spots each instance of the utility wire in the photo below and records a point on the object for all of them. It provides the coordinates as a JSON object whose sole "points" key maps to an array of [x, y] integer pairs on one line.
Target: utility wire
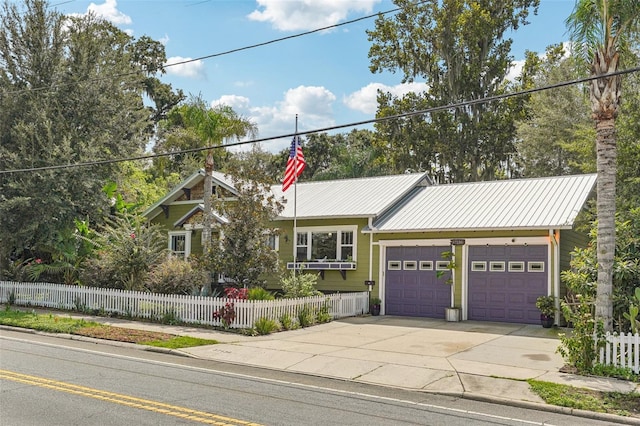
{"points": [[326, 129], [277, 40], [213, 55]]}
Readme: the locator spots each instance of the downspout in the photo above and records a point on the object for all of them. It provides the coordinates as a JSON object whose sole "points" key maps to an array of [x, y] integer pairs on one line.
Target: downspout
{"points": [[370, 224], [555, 247]]}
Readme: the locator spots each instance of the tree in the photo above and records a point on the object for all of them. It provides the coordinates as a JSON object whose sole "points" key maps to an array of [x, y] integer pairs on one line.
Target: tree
{"points": [[555, 137], [244, 254], [193, 125], [71, 90], [342, 156], [601, 31], [459, 48]]}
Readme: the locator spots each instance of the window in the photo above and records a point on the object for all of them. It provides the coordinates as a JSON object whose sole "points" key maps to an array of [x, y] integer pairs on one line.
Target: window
{"points": [[496, 266], [442, 265], [180, 244], [394, 265], [516, 266], [326, 244], [478, 266], [273, 242], [426, 265], [535, 266], [410, 265]]}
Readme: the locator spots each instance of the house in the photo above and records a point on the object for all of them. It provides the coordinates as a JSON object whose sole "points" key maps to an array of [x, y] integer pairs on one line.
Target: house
{"points": [[488, 248]]}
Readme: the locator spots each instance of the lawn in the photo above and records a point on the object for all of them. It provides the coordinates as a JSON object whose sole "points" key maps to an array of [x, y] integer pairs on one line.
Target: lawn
{"points": [[60, 324], [622, 404]]}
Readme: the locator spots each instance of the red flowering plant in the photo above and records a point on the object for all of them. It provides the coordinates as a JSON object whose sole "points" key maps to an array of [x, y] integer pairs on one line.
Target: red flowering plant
{"points": [[227, 314]]}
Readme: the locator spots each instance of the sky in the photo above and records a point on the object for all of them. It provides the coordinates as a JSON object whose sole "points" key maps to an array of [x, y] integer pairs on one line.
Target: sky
{"points": [[323, 77]]}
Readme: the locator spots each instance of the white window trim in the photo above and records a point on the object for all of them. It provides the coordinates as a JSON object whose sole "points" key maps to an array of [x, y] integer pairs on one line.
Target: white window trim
{"points": [[320, 229], [187, 242], [276, 241]]}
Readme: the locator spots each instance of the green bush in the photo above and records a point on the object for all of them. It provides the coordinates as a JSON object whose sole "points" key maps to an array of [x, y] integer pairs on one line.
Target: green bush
{"points": [[288, 323], [306, 316], [100, 272], [265, 326], [259, 293], [300, 285], [127, 249], [323, 315], [578, 347], [175, 276]]}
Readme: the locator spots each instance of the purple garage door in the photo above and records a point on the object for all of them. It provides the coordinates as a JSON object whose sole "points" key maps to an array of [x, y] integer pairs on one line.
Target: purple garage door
{"points": [[505, 281], [412, 287]]}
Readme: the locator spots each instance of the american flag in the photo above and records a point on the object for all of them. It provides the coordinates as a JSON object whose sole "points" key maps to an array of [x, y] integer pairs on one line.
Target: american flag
{"points": [[295, 164]]}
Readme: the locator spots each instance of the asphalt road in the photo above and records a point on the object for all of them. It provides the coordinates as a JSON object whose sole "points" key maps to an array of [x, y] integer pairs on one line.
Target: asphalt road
{"points": [[51, 381]]}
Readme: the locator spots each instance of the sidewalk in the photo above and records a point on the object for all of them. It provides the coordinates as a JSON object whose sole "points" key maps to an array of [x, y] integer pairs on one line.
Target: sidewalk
{"points": [[479, 360]]}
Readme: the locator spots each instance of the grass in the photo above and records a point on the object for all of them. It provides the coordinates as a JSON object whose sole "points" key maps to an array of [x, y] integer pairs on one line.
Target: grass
{"points": [[58, 324], [622, 404]]}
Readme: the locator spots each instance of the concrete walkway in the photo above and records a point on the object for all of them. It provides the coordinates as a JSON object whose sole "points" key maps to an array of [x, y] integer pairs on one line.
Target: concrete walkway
{"points": [[480, 360]]}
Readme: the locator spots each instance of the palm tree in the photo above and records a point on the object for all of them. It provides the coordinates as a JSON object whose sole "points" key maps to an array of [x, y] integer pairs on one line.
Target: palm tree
{"points": [[209, 127], [601, 31]]}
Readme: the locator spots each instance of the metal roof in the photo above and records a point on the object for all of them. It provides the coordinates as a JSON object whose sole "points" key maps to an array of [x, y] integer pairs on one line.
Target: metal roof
{"points": [[361, 197], [539, 203]]}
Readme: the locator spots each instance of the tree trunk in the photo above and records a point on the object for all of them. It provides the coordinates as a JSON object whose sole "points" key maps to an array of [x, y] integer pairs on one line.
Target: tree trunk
{"points": [[606, 206], [207, 214]]}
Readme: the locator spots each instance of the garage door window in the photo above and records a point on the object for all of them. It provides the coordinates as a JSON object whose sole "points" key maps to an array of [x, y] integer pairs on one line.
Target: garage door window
{"points": [[496, 266], [478, 266], [410, 265], [516, 266], [442, 265], [426, 265], [394, 265], [535, 266]]}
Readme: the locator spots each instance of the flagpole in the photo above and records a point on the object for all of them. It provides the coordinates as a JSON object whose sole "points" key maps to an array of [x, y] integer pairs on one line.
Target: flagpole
{"points": [[295, 213]]}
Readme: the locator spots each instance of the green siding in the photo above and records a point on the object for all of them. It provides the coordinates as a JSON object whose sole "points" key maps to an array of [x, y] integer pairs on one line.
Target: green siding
{"points": [[569, 240], [333, 280]]}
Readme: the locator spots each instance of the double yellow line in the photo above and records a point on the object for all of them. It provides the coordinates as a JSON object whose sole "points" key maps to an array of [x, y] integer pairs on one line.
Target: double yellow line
{"points": [[130, 401]]}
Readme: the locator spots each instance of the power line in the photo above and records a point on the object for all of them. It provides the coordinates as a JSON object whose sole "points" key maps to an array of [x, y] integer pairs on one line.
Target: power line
{"points": [[326, 129], [213, 55], [277, 40]]}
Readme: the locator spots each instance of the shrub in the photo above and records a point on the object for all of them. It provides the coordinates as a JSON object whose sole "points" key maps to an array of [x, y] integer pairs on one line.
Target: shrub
{"points": [[300, 285], [265, 326], [546, 305], [226, 315], [323, 315], [236, 293], [175, 276], [100, 272], [259, 293], [579, 348], [306, 316], [127, 249], [287, 322]]}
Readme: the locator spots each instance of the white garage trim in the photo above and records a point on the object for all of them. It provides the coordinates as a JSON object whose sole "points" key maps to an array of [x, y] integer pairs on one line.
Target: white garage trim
{"points": [[383, 244], [514, 241]]}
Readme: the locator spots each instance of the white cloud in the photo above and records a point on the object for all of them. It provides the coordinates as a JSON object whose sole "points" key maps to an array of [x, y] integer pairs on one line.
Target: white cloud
{"points": [[238, 103], [312, 104], [516, 66], [109, 11], [366, 99], [515, 70], [307, 14], [164, 40], [193, 69]]}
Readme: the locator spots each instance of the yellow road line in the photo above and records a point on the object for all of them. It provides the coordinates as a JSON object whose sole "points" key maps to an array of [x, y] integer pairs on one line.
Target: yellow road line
{"points": [[130, 401]]}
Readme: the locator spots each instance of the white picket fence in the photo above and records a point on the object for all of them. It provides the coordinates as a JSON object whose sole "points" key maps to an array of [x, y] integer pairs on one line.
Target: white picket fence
{"points": [[621, 350], [187, 309]]}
